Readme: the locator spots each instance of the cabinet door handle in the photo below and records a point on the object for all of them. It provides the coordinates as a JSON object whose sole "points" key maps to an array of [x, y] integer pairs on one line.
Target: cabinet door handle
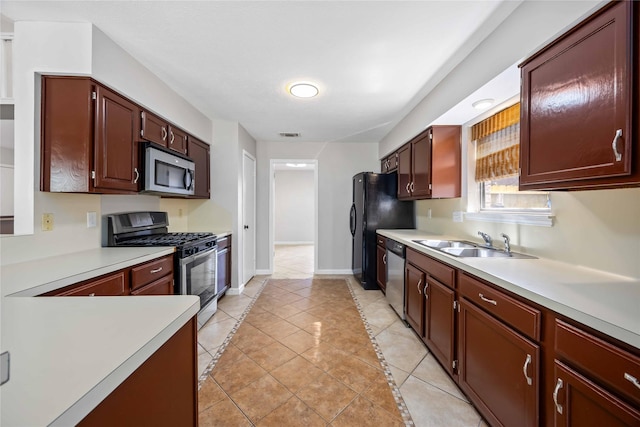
{"points": [[555, 395], [92, 294], [525, 369], [135, 171], [614, 145], [424, 291], [412, 186], [164, 133], [408, 184], [490, 301], [419, 283], [156, 270], [384, 258], [633, 380], [172, 137]]}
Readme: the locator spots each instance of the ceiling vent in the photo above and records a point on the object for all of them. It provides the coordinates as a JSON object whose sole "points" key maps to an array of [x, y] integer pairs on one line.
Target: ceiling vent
{"points": [[289, 134]]}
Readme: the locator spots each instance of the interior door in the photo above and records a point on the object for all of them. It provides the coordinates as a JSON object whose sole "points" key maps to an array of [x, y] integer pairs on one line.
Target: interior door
{"points": [[248, 217]]}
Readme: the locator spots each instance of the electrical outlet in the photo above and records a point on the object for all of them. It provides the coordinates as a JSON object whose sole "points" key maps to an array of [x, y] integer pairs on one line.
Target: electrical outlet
{"points": [[457, 216], [179, 213], [429, 213], [91, 220], [47, 221]]}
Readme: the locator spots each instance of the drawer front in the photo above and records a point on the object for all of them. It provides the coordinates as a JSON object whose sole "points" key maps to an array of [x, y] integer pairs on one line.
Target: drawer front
{"points": [[436, 269], [163, 286], [518, 315], [382, 241], [147, 273], [599, 359], [223, 242], [113, 285]]}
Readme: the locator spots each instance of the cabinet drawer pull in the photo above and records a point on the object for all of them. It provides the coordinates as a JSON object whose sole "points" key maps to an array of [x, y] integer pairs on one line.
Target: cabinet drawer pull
{"points": [[525, 369], [555, 395], [164, 134], [490, 301], [419, 283], [92, 294], [614, 145], [384, 258], [156, 270], [633, 380]]}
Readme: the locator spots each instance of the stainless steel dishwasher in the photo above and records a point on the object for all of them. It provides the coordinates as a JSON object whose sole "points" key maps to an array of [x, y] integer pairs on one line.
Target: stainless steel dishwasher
{"points": [[395, 276]]}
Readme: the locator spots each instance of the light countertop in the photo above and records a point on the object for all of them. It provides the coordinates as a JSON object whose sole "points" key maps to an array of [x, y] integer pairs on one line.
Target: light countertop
{"points": [[604, 301], [69, 353], [36, 277]]}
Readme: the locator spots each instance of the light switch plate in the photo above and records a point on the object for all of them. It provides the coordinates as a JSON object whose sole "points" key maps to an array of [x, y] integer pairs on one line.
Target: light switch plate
{"points": [[91, 219]]}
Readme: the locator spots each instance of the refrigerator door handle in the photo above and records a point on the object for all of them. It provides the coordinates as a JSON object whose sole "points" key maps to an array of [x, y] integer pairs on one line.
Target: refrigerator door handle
{"points": [[352, 219]]}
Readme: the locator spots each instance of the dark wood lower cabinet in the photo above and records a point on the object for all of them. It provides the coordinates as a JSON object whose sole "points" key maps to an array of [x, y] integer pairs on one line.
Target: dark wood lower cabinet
{"points": [[439, 322], [163, 286], [381, 268], [499, 369], [163, 391], [413, 300], [580, 402]]}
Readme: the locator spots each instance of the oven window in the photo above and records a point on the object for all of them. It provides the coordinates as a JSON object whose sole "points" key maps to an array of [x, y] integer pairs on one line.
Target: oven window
{"points": [[168, 175], [201, 278]]}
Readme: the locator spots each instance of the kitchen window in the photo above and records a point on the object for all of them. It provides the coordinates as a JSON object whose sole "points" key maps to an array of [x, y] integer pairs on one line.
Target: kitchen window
{"points": [[495, 170]]}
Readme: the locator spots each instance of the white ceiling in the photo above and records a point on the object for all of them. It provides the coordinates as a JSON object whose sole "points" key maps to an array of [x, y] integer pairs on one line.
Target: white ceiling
{"points": [[372, 60]]}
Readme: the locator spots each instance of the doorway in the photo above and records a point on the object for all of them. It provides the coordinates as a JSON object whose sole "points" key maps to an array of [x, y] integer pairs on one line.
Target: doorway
{"points": [[248, 227], [293, 224]]}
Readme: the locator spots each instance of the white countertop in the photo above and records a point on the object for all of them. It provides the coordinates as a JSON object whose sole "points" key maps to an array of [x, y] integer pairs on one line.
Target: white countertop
{"points": [[604, 301], [39, 276], [69, 353]]}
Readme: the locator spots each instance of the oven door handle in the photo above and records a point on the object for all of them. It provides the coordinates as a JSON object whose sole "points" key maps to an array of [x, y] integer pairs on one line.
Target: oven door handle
{"points": [[195, 257]]}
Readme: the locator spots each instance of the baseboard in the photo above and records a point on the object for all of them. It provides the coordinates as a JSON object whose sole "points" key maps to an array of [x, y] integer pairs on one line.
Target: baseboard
{"points": [[293, 243], [263, 272], [323, 272], [235, 291]]}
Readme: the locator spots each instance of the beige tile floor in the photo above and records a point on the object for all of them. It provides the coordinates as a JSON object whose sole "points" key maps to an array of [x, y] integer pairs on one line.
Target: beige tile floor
{"points": [[431, 397]]}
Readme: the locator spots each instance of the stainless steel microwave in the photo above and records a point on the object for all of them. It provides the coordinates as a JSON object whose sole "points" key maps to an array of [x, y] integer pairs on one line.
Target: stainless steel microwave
{"points": [[167, 173]]}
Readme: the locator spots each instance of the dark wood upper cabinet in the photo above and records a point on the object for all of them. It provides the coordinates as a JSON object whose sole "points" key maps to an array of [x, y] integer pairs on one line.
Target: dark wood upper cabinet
{"points": [[68, 111], [404, 172], [390, 163], [88, 140], [579, 105], [177, 140], [154, 129], [429, 166], [200, 153], [116, 147]]}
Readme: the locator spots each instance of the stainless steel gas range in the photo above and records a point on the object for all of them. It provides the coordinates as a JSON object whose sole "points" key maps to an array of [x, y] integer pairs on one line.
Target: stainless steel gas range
{"points": [[195, 260]]}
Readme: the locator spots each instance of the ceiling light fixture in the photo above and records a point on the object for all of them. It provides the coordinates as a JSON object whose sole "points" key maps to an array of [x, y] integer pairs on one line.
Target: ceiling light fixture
{"points": [[483, 103], [303, 90], [296, 165]]}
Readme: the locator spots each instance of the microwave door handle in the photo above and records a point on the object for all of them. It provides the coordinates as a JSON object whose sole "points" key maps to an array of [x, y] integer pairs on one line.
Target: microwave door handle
{"points": [[187, 179]]}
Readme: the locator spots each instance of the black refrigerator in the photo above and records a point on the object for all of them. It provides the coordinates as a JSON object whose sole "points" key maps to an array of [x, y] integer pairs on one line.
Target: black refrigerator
{"points": [[375, 206]]}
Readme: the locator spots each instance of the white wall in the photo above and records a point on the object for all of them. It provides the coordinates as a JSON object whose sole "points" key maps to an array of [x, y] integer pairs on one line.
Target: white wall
{"points": [[337, 164], [76, 49], [596, 228], [294, 206]]}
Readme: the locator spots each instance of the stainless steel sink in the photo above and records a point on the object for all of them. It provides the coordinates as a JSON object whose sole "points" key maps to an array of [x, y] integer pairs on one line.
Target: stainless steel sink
{"points": [[464, 249], [439, 244]]}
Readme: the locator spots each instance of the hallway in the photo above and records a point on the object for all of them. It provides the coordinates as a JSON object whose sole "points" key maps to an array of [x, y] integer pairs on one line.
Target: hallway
{"points": [[296, 340]]}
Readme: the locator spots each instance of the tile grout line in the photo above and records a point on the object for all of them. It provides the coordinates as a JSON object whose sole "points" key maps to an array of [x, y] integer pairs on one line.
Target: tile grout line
{"points": [[230, 335], [402, 407]]}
